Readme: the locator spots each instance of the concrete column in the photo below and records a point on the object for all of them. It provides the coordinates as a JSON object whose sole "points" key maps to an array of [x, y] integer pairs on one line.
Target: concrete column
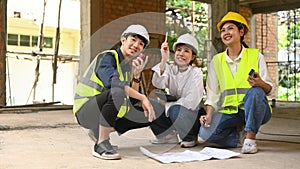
{"points": [[218, 9], [85, 33], [3, 32]]}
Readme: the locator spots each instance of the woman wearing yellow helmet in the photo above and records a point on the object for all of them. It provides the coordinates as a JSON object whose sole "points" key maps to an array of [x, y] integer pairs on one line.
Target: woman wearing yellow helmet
{"points": [[238, 99]]}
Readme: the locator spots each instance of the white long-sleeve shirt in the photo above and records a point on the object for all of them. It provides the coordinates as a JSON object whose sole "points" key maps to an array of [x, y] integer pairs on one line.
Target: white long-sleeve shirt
{"points": [[212, 84], [187, 86]]}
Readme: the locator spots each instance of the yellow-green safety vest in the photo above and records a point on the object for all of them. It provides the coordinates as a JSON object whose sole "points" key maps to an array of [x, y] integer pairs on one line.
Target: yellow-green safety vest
{"points": [[90, 85], [234, 88]]}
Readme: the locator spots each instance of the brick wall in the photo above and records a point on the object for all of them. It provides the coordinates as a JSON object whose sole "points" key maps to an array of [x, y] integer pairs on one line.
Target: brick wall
{"points": [[247, 14], [118, 8], [266, 40], [113, 17], [110, 18]]}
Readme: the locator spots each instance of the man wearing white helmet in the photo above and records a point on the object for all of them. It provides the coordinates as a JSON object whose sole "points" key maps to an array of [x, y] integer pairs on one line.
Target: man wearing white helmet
{"points": [[185, 83], [109, 88]]}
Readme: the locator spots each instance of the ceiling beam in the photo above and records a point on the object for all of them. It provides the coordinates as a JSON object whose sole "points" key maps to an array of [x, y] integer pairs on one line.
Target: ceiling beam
{"points": [[265, 6], [269, 7], [205, 1]]}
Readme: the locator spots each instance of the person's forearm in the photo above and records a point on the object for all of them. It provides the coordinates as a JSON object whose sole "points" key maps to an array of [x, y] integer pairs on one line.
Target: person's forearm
{"points": [[135, 84], [266, 87], [209, 109], [134, 94], [162, 66]]}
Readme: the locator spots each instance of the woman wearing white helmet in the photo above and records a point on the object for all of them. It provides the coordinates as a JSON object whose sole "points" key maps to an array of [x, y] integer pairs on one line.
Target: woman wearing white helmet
{"points": [[236, 104], [109, 88], [185, 83]]}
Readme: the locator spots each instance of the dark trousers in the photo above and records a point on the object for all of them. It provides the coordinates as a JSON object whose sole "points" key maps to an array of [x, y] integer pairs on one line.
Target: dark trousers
{"points": [[102, 110]]}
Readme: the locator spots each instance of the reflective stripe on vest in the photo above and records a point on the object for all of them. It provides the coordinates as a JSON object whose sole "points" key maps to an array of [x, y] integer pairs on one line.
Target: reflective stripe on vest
{"points": [[90, 85], [233, 89], [125, 106]]}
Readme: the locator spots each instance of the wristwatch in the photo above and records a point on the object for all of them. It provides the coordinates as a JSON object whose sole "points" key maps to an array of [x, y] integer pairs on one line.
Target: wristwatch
{"points": [[136, 80]]}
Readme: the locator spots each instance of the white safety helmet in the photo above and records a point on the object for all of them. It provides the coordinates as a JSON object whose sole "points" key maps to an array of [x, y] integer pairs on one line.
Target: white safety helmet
{"points": [[189, 40], [139, 30]]}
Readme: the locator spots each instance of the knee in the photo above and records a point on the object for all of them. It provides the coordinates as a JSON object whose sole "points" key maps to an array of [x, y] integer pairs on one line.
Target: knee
{"points": [[175, 108], [117, 92], [174, 111], [116, 96], [256, 92], [204, 133], [158, 108]]}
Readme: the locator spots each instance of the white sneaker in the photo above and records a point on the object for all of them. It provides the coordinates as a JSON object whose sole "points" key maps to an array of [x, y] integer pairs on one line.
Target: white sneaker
{"points": [[249, 148], [168, 139], [188, 144], [200, 140]]}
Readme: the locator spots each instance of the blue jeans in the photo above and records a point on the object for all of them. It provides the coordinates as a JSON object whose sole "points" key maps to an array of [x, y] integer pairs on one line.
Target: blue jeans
{"points": [[223, 127], [184, 121]]}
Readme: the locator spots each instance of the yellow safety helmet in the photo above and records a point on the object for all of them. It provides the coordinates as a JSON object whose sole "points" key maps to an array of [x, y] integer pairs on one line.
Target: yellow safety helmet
{"points": [[233, 16]]}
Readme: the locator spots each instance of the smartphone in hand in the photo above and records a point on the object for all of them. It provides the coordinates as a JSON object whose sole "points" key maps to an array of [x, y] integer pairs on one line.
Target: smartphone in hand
{"points": [[252, 73]]}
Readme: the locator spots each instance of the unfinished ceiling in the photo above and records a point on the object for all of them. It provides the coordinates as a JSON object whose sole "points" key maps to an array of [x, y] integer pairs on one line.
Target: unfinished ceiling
{"points": [[266, 6]]}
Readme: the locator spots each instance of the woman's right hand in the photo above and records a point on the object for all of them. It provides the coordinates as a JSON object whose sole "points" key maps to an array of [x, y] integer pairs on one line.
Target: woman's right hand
{"points": [[205, 120], [165, 52]]}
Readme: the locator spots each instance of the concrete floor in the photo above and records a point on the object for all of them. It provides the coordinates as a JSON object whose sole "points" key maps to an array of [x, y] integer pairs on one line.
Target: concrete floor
{"points": [[53, 139]]}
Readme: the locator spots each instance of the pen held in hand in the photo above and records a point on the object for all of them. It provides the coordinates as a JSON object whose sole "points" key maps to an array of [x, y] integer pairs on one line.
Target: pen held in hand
{"points": [[166, 40], [166, 37]]}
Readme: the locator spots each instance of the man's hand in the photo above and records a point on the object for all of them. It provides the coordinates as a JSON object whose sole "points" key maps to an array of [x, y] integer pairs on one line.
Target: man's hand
{"points": [[138, 65], [148, 110]]}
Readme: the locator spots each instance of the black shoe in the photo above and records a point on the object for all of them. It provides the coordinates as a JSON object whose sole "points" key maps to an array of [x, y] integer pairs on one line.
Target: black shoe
{"points": [[105, 151], [91, 134]]}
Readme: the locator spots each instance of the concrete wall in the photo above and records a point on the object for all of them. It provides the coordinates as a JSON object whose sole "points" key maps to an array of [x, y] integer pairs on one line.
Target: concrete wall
{"points": [[103, 22]]}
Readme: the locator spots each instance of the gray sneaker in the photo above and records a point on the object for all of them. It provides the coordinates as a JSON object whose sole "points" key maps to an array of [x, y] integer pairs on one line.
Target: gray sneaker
{"points": [[105, 151], [168, 139]]}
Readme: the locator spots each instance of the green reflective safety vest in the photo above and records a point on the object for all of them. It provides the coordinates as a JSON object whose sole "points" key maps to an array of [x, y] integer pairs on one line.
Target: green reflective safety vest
{"points": [[234, 88], [90, 85]]}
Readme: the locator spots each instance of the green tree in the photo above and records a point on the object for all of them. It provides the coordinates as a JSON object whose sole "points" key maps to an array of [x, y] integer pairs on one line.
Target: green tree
{"points": [[289, 28], [186, 16]]}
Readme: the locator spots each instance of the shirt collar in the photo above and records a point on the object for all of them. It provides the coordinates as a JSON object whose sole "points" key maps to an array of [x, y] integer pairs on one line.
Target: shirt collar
{"points": [[121, 57], [229, 60]]}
